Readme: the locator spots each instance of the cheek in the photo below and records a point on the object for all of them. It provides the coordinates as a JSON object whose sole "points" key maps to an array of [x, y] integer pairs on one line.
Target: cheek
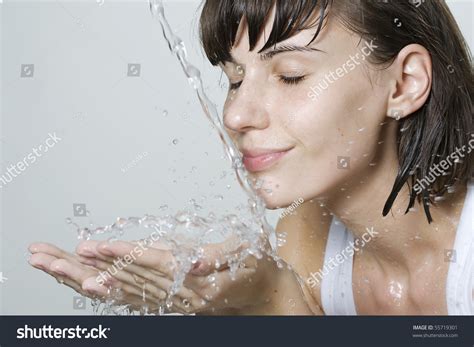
{"points": [[346, 117], [336, 136]]}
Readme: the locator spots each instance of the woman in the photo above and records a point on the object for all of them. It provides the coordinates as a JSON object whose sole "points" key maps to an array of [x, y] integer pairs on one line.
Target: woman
{"points": [[361, 109]]}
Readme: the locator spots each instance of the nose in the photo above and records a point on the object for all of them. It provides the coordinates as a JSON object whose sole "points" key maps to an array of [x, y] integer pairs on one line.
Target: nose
{"points": [[246, 110]]}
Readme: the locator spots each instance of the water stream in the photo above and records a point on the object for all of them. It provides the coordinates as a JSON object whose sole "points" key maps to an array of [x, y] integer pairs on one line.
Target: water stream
{"points": [[186, 233]]}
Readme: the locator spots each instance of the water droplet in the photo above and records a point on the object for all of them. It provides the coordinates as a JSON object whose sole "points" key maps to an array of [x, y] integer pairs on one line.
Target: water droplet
{"points": [[175, 141], [165, 113]]}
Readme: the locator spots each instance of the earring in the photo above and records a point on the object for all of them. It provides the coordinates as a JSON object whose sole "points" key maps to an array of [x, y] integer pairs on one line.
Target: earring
{"points": [[396, 114]]}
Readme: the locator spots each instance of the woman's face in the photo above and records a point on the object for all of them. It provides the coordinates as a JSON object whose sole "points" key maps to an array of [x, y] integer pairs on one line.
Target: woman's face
{"points": [[308, 122]]}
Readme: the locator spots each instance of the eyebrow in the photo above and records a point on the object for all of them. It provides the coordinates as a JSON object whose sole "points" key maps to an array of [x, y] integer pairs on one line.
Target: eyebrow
{"points": [[286, 48], [270, 53]]}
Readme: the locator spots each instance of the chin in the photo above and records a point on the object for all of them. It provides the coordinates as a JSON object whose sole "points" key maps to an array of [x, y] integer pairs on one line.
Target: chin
{"points": [[288, 194], [272, 190], [276, 199], [273, 205]]}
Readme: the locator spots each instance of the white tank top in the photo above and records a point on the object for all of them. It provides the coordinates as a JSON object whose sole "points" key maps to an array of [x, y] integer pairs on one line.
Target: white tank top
{"points": [[336, 284]]}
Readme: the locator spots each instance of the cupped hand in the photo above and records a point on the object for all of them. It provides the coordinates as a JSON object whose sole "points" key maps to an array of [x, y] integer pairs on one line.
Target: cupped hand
{"points": [[145, 276], [70, 270], [207, 288]]}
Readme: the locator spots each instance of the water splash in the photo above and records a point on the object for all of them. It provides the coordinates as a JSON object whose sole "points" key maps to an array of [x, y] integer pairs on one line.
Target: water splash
{"points": [[186, 233], [178, 48]]}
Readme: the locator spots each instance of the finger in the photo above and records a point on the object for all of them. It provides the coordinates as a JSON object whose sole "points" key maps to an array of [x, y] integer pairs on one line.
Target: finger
{"points": [[160, 260], [47, 248], [153, 244], [147, 273], [41, 261], [216, 256], [72, 284], [89, 249], [45, 261], [162, 283], [136, 276], [143, 293], [72, 270], [121, 295], [125, 277], [134, 301], [111, 265]]}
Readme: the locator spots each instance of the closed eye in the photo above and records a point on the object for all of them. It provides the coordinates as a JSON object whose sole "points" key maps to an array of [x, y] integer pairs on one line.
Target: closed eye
{"points": [[234, 86], [292, 80]]}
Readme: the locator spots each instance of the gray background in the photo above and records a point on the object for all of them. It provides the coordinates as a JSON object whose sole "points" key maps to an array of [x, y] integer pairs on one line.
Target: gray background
{"points": [[81, 90]]}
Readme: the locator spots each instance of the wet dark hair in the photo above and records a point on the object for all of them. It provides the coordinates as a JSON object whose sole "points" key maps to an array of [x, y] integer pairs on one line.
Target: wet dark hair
{"points": [[431, 134]]}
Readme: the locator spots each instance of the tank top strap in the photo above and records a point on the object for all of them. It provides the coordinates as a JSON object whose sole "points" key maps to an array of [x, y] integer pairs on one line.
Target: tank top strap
{"points": [[336, 275], [460, 280]]}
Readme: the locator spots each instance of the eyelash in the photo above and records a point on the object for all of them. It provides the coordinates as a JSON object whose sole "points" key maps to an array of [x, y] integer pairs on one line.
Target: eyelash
{"points": [[286, 80], [292, 80], [234, 86]]}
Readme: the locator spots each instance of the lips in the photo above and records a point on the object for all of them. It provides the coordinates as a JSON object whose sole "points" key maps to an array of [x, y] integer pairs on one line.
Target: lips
{"points": [[260, 160]]}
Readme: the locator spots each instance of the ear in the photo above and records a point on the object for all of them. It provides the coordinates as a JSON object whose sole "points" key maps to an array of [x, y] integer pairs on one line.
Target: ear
{"points": [[411, 79]]}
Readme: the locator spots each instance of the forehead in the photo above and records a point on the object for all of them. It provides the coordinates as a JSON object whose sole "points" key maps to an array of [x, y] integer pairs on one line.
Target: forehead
{"points": [[229, 23], [243, 43]]}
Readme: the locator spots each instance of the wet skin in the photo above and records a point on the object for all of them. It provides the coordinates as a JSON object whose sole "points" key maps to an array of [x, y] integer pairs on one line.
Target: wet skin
{"points": [[269, 109]]}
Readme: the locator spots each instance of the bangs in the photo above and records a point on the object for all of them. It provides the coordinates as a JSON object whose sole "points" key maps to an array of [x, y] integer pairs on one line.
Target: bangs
{"points": [[220, 21]]}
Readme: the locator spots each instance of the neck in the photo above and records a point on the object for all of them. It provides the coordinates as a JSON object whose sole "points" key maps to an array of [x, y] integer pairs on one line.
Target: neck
{"points": [[399, 238]]}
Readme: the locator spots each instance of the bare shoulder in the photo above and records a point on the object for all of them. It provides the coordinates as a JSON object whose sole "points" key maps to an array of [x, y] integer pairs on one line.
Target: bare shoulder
{"points": [[307, 232]]}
